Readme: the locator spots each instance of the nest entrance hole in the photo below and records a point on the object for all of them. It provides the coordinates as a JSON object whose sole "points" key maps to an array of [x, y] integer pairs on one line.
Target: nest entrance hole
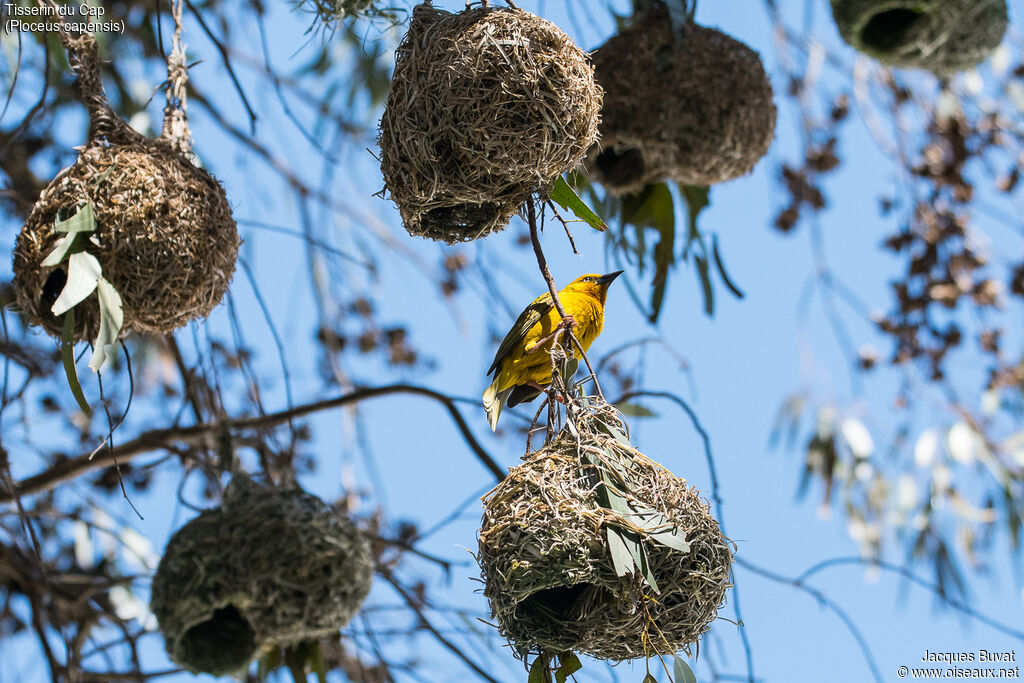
{"points": [[225, 642], [562, 604], [888, 30], [621, 168]]}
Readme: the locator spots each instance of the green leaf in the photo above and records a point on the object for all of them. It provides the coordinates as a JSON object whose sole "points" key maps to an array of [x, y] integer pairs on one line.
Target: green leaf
{"points": [[68, 244], [317, 663], [67, 354], [622, 559], [83, 220], [682, 672], [111, 318], [566, 197], [654, 208], [83, 273], [697, 199], [570, 665], [661, 530], [635, 410], [737, 292], [705, 283], [649, 679], [539, 670]]}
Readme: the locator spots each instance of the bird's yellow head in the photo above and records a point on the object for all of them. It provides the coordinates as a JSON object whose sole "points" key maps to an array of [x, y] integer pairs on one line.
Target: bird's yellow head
{"points": [[593, 284]]}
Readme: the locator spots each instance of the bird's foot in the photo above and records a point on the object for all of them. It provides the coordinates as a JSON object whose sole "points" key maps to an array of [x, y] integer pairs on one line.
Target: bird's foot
{"points": [[556, 395], [566, 323]]}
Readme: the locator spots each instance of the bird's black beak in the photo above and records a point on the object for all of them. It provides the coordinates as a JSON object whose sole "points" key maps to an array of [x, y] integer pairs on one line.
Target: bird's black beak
{"points": [[609, 278]]}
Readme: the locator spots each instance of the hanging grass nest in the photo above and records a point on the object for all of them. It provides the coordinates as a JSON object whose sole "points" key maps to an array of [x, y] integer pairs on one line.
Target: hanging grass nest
{"points": [[267, 567], [552, 549], [942, 36], [164, 235], [486, 107], [697, 109]]}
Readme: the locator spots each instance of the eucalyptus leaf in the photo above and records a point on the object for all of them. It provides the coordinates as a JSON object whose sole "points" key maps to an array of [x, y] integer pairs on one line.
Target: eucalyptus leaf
{"points": [[83, 273], [83, 220], [566, 197], [622, 559], [682, 672], [737, 292], [317, 663], [538, 670], [635, 410], [67, 354], [111, 318], [705, 283], [649, 679], [570, 665], [65, 245]]}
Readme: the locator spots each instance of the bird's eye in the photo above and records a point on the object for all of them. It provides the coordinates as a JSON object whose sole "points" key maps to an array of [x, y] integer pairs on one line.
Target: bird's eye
{"points": [[588, 279]]}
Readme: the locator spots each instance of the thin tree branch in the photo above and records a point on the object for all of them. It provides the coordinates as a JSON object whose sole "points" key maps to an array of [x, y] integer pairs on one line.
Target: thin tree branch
{"points": [[205, 434]]}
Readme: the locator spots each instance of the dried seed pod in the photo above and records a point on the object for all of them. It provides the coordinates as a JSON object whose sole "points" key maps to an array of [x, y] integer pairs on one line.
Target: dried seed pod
{"points": [[486, 107], [267, 567], [549, 575], [942, 36], [696, 109]]}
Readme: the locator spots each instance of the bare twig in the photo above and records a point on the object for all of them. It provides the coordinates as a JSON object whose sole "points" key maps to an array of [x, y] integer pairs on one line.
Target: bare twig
{"points": [[204, 434]]}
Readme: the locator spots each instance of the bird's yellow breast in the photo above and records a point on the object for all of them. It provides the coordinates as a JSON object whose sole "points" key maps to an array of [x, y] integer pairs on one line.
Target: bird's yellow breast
{"points": [[528, 363]]}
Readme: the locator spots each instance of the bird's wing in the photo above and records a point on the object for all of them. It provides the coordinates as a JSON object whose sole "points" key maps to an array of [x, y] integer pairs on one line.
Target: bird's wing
{"points": [[526, 320]]}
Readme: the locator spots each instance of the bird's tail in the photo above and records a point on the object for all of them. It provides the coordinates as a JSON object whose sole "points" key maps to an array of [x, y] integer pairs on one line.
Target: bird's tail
{"points": [[493, 401]]}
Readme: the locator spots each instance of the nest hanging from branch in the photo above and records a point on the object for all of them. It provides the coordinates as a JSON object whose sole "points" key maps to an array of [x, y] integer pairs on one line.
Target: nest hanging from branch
{"points": [[164, 234], [942, 36], [553, 580], [486, 107], [267, 567], [697, 109]]}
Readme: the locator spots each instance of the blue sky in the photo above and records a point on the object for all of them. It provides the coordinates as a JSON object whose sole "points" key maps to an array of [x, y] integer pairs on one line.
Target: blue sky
{"points": [[741, 365]]}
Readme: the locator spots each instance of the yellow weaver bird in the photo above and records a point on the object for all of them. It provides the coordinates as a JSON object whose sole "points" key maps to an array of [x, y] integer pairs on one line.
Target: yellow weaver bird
{"points": [[522, 366]]}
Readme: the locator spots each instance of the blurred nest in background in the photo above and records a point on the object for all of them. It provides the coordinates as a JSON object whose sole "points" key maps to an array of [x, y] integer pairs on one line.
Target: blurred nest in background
{"points": [[697, 109], [165, 238], [552, 563], [942, 36], [267, 567], [486, 107]]}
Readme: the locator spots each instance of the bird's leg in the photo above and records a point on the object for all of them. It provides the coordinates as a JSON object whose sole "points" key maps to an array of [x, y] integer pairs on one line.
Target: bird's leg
{"points": [[549, 391], [566, 323]]}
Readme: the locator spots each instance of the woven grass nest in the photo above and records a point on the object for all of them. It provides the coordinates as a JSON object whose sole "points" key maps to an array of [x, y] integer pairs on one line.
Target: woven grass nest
{"points": [[486, 107], [545, 553], [942, 36], [697, 110], [267, 567], [164, 236]]}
